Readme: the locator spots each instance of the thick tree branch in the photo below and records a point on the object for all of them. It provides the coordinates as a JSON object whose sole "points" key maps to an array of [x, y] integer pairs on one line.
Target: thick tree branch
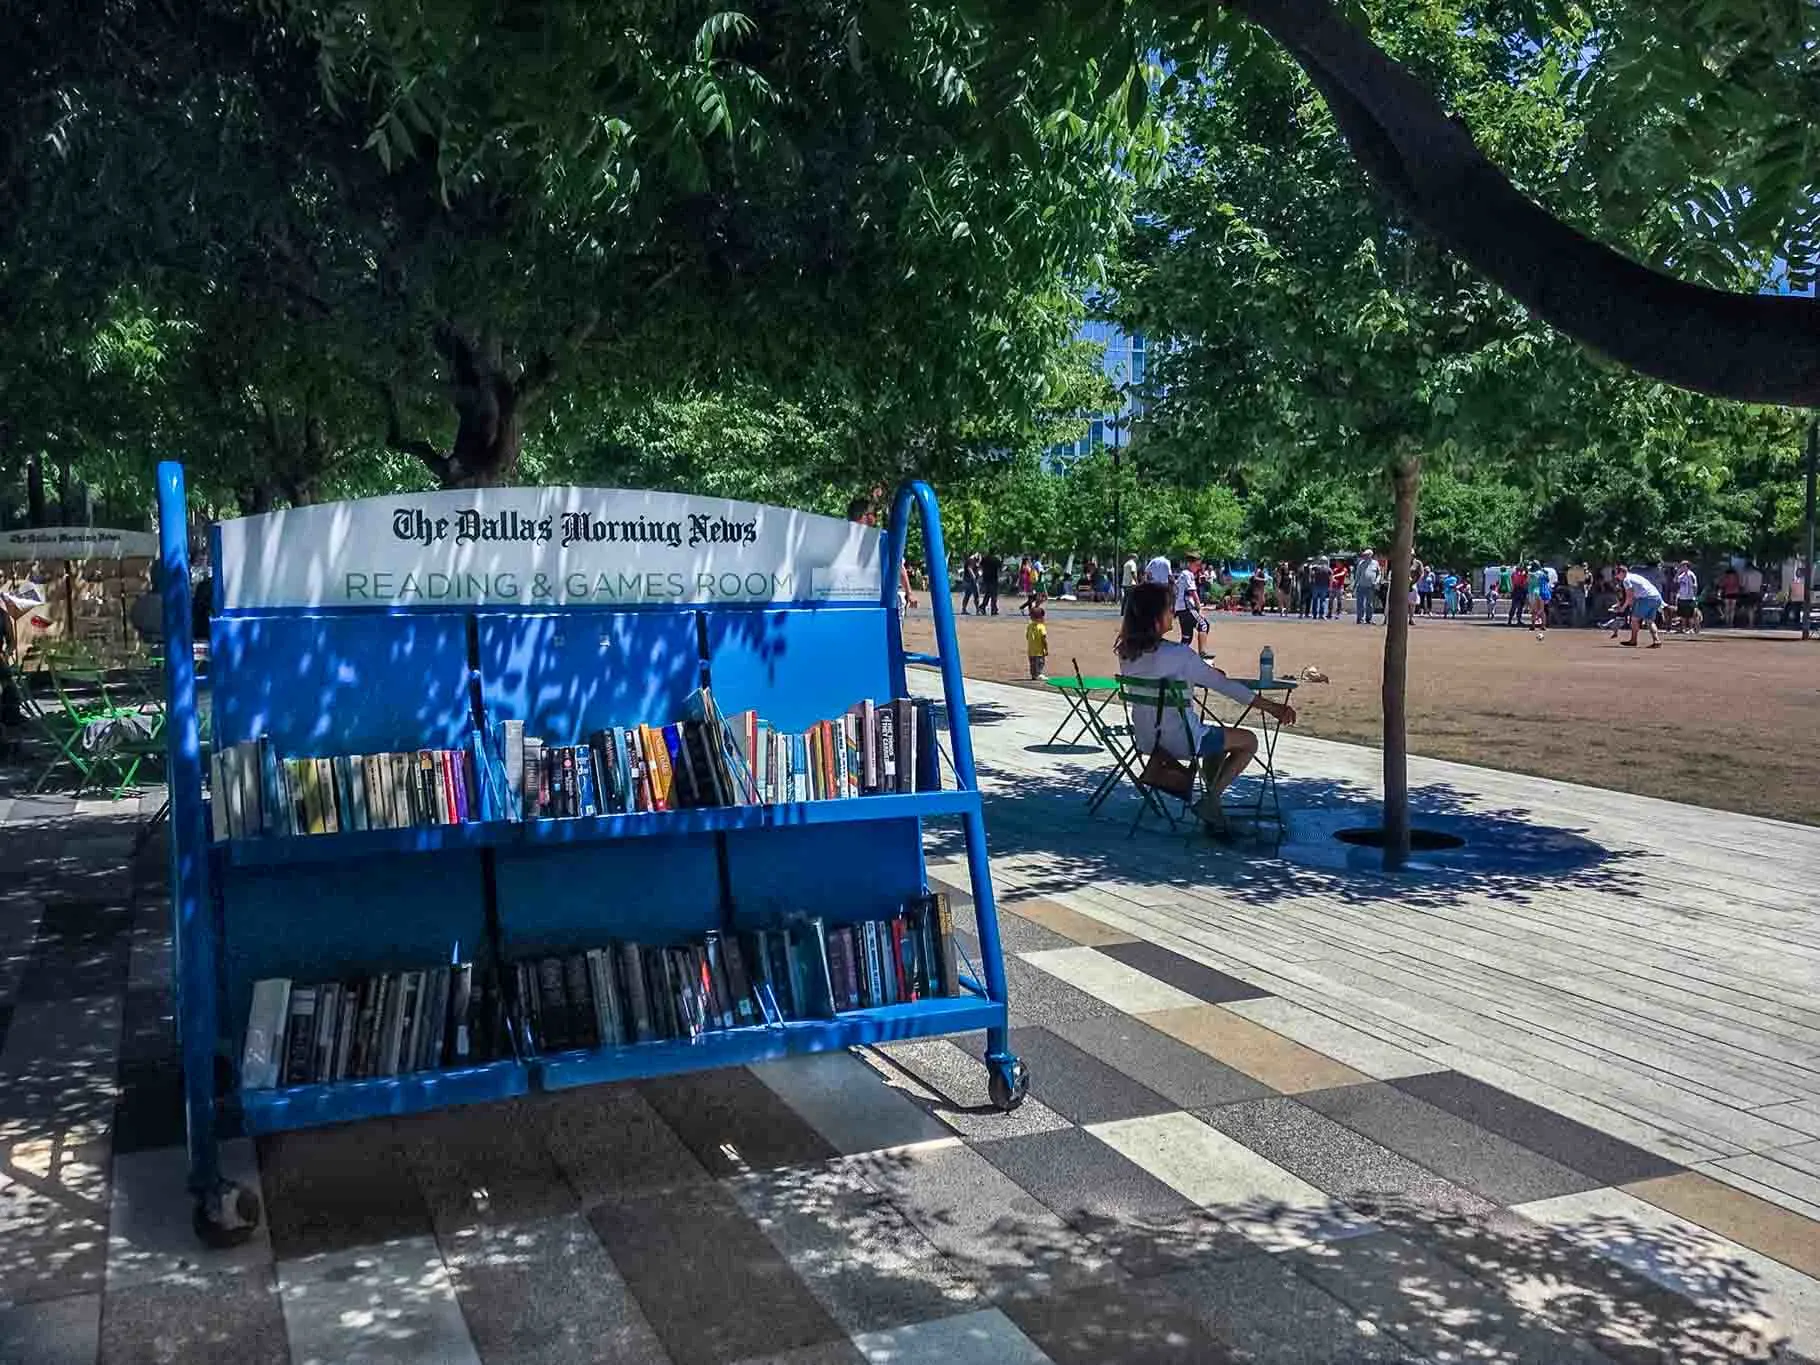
{"points": [[537, 376], [1760, 348], [395, 438]]}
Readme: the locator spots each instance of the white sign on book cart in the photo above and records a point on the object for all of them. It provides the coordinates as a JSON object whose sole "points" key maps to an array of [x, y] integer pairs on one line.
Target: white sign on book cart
{"points": [[543, 547], [75, 542]]}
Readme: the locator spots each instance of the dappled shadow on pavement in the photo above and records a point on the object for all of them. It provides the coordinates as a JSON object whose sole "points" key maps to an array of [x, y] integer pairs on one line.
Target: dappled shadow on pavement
{"points": [[1043, 818], [1374, 1279]]}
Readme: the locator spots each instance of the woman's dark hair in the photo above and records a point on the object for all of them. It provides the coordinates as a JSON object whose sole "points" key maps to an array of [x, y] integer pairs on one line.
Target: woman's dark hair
{"points": [[1138, 633]]}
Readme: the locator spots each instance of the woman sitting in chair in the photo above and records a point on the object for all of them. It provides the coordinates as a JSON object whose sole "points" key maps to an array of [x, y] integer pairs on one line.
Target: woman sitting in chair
{"points": [[1146, 652]]}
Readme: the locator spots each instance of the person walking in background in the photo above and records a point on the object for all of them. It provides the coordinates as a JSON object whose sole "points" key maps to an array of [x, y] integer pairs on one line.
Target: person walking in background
{"points": [[1128, 576], [1641, 597], [1750, 594], [1365, 590], [1320, 583], [1450, 594], [1728, 594], [1687, 599], [1160, 571], [970, 581], [1336, 590], [1187, 599], [1034, 588], [1304, 584], [991, 566], [1036, 640], [1579, 586], [1541, 596], [1425, 589], [1519, 595], [1795, 605], [1493, 581]]}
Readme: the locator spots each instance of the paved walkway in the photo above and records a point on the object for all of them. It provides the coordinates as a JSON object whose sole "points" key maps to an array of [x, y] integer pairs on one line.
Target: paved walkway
{"points": [[1557, 1106]]}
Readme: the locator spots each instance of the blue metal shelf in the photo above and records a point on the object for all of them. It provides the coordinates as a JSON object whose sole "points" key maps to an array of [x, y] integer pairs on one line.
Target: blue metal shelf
{"points": [[737, 1047], [316, 848], [310, 1106]]}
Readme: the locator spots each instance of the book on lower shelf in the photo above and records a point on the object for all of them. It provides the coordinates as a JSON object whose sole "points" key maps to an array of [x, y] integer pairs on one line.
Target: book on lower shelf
{"points": [[624, 992], [362, 1028]]}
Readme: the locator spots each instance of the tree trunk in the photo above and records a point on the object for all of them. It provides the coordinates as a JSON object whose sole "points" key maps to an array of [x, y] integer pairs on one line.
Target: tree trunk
{"points": [[1406, 475], [488, 440], [34, 491]]}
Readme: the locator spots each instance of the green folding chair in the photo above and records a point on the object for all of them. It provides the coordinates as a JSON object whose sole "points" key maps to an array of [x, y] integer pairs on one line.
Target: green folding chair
{"points": [[1162, 696], [1111, 730], [104, 740]]}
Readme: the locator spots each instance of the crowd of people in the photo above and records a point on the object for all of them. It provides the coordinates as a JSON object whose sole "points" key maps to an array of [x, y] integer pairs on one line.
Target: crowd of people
{"points": [[1529, 594]]}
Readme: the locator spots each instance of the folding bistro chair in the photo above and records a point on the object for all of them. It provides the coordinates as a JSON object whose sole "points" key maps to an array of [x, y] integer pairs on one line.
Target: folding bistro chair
{"points": [[101, 739], [1161, 778], [1085, 697], [1114, 736]]}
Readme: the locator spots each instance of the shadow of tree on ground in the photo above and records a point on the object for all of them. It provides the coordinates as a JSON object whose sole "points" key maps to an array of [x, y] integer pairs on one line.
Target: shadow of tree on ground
{"points": [[1509, 854]]}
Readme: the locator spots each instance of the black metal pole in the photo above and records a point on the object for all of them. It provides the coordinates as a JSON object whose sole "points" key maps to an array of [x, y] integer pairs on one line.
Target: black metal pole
{"points": [[1807, 568], [1118, 537]]}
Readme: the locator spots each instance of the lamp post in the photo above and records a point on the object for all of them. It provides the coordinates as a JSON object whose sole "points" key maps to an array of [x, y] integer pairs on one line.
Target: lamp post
{"points": [[1117, 426], [1807, 568]]}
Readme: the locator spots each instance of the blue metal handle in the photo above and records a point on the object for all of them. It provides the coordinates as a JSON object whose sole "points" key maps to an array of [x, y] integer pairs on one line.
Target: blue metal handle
{"points": [[919, 495], [195, 941]]}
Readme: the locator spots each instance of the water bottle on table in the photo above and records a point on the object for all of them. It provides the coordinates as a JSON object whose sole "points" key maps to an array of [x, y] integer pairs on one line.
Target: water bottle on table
{"points": [[1267, 663]]}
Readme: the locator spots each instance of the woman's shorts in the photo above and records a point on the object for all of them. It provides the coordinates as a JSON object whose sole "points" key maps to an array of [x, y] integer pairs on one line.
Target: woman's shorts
{"points": [[1213, 743]]}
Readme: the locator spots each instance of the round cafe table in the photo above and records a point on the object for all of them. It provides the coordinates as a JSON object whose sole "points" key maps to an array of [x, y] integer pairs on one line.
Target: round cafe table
{"points": [[1268, 726]]}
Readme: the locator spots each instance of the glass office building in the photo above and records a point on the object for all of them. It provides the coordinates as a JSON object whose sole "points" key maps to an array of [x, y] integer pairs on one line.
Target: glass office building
{"points": [[1124, 366]]}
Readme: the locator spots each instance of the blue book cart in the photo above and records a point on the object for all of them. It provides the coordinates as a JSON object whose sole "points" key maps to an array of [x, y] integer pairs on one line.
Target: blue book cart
{"points": [[345, 678]]}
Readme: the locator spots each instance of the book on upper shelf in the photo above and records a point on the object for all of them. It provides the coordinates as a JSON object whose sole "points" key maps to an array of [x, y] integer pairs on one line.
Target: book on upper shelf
{"points": [[257, 792], [362, 1028], [707, 759], [803, 968]]}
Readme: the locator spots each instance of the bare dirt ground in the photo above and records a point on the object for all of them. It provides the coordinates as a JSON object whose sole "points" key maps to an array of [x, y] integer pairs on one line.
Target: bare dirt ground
{"points": [[1721, 720]]}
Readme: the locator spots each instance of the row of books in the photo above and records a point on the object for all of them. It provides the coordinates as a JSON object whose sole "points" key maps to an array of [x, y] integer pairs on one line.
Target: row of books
{"points": [[386, 1025], [255, 792], [706, 759], [629, 992], [400, 1022]]}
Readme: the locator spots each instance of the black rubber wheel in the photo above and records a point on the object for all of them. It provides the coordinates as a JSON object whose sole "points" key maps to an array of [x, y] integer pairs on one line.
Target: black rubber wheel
{"points": [[1008, 1085], [219, 1232]]}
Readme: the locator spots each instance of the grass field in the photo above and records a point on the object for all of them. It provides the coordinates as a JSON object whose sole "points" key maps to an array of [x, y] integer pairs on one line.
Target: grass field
{"points": [[1727, 721]]}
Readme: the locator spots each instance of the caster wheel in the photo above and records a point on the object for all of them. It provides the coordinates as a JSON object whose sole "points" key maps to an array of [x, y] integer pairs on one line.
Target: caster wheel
{"points": [[227, 1217], [1008, 1085]]}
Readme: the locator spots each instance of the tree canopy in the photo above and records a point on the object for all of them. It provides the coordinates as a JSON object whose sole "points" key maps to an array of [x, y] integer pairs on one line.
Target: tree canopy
{"points": [[463, 219], [321, 245]]}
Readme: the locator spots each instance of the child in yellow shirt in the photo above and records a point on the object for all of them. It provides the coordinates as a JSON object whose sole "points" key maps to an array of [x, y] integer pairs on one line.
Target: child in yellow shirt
{"points": [[1036, 641]]}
